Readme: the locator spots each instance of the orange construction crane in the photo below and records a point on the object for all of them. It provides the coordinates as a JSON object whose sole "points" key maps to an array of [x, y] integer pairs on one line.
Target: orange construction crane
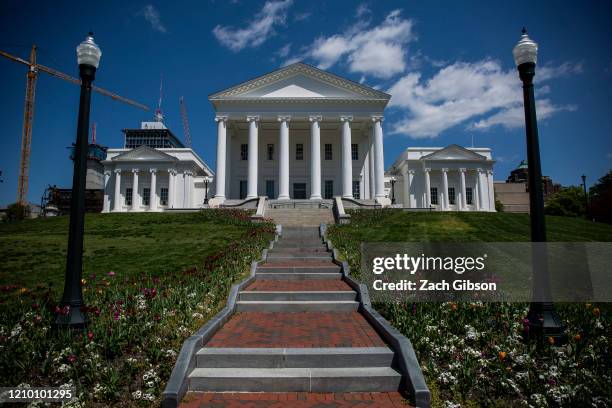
{"points": [[28, 112], [186, 132]]}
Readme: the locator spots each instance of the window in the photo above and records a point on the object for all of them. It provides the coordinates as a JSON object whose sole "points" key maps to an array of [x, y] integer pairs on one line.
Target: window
{"points": [[146, 196], [469, 194], [451, 195], [434, 195], [328, 151], [354, 151], [356, 188], [299, 191], [128, 196], [243, 189], [163, 197], [270, 188], [328, 192], [270, 152], [244, 151], [299, 151]]}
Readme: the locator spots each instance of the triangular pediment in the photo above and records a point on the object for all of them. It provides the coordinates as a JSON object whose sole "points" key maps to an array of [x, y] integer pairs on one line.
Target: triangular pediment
{"points": [[299, 81], [144, 153], [454, 152]]}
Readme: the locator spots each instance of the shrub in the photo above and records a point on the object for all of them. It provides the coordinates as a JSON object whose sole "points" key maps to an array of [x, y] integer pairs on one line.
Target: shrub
{"points": [[17, 212]]}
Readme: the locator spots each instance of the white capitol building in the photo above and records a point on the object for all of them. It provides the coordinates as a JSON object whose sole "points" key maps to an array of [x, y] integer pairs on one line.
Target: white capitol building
{"points": [[299, 133]]}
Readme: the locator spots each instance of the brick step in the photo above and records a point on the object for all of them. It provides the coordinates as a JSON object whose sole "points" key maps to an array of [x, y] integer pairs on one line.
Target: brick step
{"points": [[392, 399], [280, 275], [298, 250], [297, 306], [302, 267], [300, 256], [326, 295], [295, 243], [298, 286], [210, 357], [363, 379]]}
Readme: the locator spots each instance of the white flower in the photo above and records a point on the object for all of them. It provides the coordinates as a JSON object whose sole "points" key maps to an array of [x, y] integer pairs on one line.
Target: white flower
{"points": [[16, 330], [197, 315], [63, 368], [137, 395], [148, 397]]}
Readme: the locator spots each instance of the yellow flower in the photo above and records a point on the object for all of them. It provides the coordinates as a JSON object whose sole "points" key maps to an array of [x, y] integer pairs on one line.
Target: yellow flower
{"points": [[83, 282], [551, 340], [23, 290], [596, 312], [577, 337], [502, 355], [588, 305]]}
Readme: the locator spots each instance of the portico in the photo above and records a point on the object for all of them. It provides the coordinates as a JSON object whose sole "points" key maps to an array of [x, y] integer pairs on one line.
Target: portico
{"points": [[299, 133]]}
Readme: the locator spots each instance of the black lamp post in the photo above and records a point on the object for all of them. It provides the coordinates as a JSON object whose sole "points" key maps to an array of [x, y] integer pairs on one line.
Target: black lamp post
{"points": [[206, 182], [71, 314], [392, 180], [543, 320], [586, 197]]}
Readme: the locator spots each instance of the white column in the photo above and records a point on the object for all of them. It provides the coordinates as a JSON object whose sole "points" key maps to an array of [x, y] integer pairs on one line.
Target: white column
{"points": [[347, 163], [135, 195], [372, 155], [406, 179], [427, 188], [171, 188], [117, 199], [315, 157], [188, 177], [445, 201], [379, 160], [410, 178], [221, 151], [106, 202], [253, 155], [491, 190], [463, 198], [481, 197], [283, 162], [153, 192]]}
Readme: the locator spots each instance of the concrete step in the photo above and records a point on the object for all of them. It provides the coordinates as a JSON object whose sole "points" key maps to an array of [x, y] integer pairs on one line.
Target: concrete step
{"points": [[353, 379], [210, 357], [327, 295], [298, 275], [297, 306]]}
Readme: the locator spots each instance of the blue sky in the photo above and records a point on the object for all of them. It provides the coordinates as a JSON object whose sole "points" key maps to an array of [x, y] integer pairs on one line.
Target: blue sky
{"points": [[448, 66]]}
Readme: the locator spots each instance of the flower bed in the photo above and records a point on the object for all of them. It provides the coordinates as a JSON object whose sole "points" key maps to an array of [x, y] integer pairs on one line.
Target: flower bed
{"points": [[471, 353], [137, 323]]}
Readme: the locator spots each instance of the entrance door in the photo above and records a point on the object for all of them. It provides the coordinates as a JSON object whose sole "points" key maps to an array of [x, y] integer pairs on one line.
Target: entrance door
{"points": [[299, 191]]}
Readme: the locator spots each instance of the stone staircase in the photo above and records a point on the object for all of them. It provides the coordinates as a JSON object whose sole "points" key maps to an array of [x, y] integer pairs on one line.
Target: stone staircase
{"points": [[300, 217], [296, 329]]}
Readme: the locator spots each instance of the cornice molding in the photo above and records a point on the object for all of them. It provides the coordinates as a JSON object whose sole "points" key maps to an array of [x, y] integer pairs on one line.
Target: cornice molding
{"points": [[294, 69]]}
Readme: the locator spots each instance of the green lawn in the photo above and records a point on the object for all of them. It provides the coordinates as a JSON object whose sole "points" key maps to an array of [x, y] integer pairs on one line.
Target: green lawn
{"points": [[472, 353], [401, 226], [34, 251]]}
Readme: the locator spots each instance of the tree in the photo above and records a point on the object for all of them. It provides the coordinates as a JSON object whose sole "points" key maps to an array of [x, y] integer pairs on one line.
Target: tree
{"points": [[601, 199], [568, 202]]}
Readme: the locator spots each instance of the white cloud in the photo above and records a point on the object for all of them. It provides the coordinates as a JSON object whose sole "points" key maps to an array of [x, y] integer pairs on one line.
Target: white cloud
{"points": [[362, 10], [514, 117], [150, 13], [284, 50], [379, 51], [463, 93], [302, 16], [258, 31]]}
